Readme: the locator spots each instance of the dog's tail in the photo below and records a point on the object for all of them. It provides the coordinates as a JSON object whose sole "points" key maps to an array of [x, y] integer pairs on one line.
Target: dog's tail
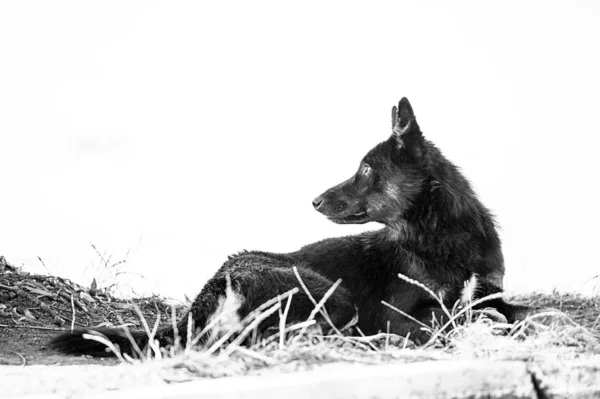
{"points": [[515, 312], [81, 341], [512, 311]]}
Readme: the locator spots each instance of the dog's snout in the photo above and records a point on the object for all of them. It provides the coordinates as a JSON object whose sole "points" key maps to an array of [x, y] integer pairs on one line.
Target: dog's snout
{"points": [[317, 202]]}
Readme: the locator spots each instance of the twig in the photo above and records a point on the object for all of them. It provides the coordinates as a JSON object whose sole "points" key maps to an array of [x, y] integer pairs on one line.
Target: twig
{"points": [[151, 345], [430, 292], [151, 342], [77, 302], [282, 320], [206, 328], [304, 286], [362, 341], [252, 315], [270, 303], [132, 340], [376, 349], [406, 339], [107, 315], [255, 314], [22, 358], [128, 358], [142, 318], [190, 325], [462, 311], [287, 329], [323, 311], [43, 264], [318, 307], [403, 313], [73, 319], [33, 327], [368, 338], [176, 338], [240, 338], [251, 353], [387, 337], [103, 340]]}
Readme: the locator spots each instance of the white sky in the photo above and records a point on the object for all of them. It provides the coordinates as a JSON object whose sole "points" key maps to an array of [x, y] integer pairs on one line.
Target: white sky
{"points": [[188, 131]]}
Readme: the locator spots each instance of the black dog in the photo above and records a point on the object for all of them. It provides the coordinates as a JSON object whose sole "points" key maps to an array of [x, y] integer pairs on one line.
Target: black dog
{"points": [[436, 232]]}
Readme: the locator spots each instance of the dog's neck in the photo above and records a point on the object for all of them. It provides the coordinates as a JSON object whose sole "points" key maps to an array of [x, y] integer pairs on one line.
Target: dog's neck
{"points": [[445, 211]]}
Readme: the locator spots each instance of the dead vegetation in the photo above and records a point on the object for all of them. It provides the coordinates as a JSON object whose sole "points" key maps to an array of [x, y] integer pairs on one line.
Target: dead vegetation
{"points": [[551, 334], [53, 303], [569, 331]]}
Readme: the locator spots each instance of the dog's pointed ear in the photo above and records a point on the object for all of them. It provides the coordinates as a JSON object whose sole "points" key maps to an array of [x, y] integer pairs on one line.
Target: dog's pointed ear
{"points": [[405, 130], [403, 118]]}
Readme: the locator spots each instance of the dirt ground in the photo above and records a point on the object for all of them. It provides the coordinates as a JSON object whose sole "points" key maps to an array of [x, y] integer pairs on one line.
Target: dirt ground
{"points": [[19, 346], [35, 308]]}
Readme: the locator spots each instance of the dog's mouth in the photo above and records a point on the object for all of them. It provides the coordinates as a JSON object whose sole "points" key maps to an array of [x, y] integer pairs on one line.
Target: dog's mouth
{"points": [[354, 218]]}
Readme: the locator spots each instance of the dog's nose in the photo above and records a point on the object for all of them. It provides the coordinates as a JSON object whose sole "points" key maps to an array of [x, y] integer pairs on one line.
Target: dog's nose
{"points": [[317, 202]]}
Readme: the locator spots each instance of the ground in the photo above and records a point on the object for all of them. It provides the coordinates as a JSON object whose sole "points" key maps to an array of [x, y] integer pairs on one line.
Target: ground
{"points": [[34, 308], [47, 300]]}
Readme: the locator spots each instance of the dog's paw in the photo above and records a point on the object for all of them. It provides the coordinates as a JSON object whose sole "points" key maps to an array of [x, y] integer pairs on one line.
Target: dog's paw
{"points": [[491, 314]]}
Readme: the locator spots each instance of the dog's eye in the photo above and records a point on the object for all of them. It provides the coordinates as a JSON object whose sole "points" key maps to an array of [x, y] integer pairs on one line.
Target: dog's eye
{"points": [[365, 169]]}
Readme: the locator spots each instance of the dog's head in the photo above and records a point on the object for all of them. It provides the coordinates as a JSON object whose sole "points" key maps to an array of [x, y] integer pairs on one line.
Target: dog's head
{"points": [[388, 179]]}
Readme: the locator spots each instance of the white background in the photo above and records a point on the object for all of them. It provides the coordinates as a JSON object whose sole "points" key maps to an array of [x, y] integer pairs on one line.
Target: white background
{"points": [[186, 131]]}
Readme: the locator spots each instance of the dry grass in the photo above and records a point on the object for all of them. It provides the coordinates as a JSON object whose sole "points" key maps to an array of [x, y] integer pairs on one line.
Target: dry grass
{"points": [[467, 334], [571, 331], [49, 302]]}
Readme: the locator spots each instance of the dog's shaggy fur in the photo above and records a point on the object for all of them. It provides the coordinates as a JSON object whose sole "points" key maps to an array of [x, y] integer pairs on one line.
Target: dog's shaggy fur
{"points": [[436, 231]]}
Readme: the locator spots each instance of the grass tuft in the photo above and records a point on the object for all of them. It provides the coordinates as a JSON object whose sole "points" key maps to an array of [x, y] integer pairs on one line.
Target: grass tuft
{"points": [[467, 334]]}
